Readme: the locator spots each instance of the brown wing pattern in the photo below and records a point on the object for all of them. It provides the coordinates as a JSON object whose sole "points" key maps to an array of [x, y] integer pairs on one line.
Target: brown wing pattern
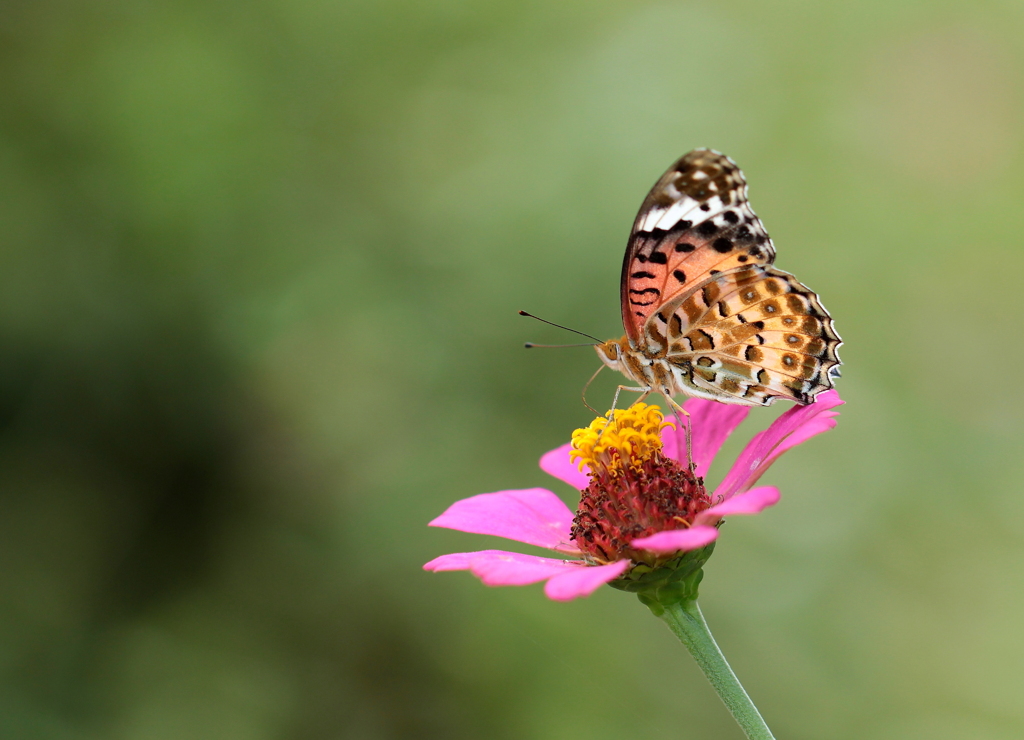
{"points": [[694, 224], [749, 336]]}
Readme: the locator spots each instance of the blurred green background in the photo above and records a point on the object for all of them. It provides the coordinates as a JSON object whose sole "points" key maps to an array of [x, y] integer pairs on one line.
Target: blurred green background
{"points": [[259, 272]]}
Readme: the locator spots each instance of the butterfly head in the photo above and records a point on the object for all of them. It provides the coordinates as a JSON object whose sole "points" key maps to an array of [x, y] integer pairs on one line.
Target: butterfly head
{"points": [[612, 352]]}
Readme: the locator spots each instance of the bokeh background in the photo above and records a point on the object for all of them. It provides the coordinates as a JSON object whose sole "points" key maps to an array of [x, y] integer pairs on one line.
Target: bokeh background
{"points": [[260, 264]]}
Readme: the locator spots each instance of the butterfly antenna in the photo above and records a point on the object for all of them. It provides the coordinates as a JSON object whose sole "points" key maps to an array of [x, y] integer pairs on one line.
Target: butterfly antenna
{"points": [[552, 323], [531, 345]]}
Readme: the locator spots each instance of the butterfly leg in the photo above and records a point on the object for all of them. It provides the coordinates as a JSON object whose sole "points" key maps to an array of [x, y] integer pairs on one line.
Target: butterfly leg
{"points": [[675, 406], [680, 412], [615, 402]]}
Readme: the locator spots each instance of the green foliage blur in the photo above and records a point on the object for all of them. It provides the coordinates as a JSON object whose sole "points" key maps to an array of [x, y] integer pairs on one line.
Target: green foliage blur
{"points": [[260, 264]]}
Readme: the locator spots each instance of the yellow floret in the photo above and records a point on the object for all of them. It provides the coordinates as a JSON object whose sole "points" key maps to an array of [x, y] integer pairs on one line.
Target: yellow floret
{"points": [[634, 435]]}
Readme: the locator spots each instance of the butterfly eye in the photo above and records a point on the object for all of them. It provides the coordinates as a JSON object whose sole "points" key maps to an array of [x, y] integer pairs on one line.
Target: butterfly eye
{"points": [[609, 351]]}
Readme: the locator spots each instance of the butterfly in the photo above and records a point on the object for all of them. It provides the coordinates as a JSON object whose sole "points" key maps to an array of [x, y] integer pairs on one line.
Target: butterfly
{"points": [[705, 311]]}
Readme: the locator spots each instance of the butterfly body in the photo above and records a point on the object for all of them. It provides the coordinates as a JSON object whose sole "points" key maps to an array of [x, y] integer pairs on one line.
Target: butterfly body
{"points": [[706, 312]]}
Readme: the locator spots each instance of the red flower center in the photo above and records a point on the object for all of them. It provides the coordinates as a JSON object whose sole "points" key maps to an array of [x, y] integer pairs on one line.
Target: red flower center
{"points": [[634, 491]]}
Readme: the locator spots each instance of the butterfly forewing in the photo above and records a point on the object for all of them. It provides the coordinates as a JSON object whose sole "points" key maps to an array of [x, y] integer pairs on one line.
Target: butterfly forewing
{"points": [[696, 222]]}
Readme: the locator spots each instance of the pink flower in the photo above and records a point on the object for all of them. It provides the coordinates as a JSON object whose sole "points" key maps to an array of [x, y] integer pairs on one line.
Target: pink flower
{"points": [[642, 506]]}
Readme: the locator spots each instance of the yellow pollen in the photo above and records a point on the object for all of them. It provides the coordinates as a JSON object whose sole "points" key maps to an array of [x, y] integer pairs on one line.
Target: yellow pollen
{"points": [[633, 436]]}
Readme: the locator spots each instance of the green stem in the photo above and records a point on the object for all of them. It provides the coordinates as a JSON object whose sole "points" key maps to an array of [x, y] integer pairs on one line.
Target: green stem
{"points": [[687, 623]]}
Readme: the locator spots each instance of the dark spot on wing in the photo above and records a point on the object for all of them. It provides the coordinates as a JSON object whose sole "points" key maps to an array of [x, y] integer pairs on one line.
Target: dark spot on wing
{"points": [[645, 291], [729, 385]]}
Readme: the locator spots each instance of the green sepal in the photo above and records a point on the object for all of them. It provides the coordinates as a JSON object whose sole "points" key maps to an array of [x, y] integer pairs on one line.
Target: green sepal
{"points": [[673, 582]]}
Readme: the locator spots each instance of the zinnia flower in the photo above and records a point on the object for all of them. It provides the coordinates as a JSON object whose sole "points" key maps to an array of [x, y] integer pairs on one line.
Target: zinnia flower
{"points": [[644, 512]]}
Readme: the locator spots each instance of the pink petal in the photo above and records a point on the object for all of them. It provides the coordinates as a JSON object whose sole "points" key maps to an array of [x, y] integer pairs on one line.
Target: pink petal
{"points": [[583, 580], [823, 423], [712, 423], [557, 463], [749, 502], [500, 568], [795, 426], [454, 561], [535, 516], [677, 540]]}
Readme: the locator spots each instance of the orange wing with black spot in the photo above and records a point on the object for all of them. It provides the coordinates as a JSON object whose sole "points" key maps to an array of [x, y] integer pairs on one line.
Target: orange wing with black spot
{"points": [[694, 224], [751, 335]]}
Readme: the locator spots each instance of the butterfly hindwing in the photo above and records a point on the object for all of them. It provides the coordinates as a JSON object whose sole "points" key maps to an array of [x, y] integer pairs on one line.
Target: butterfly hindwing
{"points": [[749, 335], [695, 223]]}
